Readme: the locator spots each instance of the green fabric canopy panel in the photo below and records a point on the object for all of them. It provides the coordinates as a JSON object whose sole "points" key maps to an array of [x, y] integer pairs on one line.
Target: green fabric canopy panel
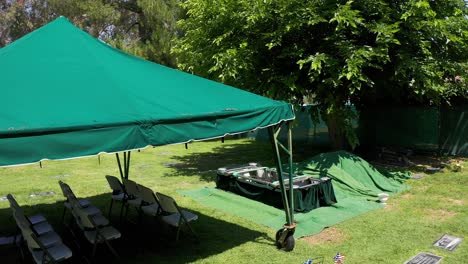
{"points": [[356, 184], [65, 94]]}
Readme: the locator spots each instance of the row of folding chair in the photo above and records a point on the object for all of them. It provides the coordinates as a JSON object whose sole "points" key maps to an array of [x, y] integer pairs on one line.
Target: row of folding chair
{"points": [[89, 219], [44, 244], [151, 203]]}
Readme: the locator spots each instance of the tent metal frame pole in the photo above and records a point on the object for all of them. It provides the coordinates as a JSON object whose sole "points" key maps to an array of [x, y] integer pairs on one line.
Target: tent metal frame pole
{"points": [[279, 169], [290, 161], [120, 165], [285, 235], [288, 200], [125, 171], [127, 164]]}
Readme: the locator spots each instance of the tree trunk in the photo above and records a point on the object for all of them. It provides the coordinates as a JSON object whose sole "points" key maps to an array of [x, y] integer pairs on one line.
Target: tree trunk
{"points": [[337, 137]]}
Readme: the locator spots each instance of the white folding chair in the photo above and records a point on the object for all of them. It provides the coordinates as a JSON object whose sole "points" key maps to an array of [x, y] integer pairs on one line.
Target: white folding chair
{"points": [[118, 193], [133, 196], [46, 248], [96, 228], [150, 205], [67, 192], [34, 219], [173, 215]]}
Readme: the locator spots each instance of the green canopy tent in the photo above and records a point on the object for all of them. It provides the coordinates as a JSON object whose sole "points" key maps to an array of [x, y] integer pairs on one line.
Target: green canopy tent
{"points": [[66, 94]]}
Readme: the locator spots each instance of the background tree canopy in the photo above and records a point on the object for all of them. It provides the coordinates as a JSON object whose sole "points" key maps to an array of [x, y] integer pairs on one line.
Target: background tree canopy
{"points": [[333, 53], [142, 27]]}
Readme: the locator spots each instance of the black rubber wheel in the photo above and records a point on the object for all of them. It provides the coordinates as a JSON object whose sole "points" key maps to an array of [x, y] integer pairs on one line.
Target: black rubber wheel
{"points": [[277, 237], [288, 243]]}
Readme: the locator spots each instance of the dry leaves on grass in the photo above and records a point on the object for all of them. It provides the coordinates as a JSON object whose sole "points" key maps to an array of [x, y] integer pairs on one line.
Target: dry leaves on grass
{"points": [[328, 235]]}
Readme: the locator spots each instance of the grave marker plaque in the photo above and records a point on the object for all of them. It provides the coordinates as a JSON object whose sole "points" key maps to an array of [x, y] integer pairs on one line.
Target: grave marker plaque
{"points": [[424, 258], [42, 194], [60, 176], [448, 242]]}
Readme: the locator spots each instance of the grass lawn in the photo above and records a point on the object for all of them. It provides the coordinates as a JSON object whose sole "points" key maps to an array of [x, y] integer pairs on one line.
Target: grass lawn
{"points": [[410, 223]]}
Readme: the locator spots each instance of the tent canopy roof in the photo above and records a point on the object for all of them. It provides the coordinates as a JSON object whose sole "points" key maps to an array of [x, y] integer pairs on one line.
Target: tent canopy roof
{"points": [[66, 94]]}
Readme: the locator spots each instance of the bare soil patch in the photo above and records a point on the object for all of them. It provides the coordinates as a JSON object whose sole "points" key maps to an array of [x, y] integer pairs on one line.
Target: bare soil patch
{"points": [[328, 235], [421, 188], [439, 214], [183, 184], [389, 207], [407, 196], [456, 202]]}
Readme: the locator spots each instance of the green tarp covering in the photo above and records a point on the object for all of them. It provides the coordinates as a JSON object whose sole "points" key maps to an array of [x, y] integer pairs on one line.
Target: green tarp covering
{"points": [[356, 184], [352, 176], [66, 94]]}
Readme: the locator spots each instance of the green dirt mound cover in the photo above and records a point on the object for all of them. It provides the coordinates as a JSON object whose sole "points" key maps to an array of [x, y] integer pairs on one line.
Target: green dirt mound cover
{"points": [[353, 176], [356, 184]]}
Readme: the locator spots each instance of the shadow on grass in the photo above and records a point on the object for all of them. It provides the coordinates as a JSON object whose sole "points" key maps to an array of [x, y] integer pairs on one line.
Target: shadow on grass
{"points": [[147, 242], [205, 164]]}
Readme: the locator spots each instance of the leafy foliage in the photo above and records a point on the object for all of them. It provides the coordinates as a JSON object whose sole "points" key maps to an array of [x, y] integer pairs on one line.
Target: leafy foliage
{"points": [[142, 27], [331, 53], [151, 29]]}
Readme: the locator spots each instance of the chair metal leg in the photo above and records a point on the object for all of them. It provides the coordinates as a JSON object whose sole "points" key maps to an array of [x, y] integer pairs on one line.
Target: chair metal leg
{"points": [[178, 232], [126, 211], [19, 244], [110, 208], [112, 250], [94, 250], [45, 258], [121, 211], [63, 214], [140, 217], [191, 230]]}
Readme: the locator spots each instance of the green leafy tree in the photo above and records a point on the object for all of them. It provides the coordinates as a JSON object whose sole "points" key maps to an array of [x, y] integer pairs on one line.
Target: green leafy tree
{"points": [[142, 27], [152, 28], [19, 17], [331, 52], [14, 20]]}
